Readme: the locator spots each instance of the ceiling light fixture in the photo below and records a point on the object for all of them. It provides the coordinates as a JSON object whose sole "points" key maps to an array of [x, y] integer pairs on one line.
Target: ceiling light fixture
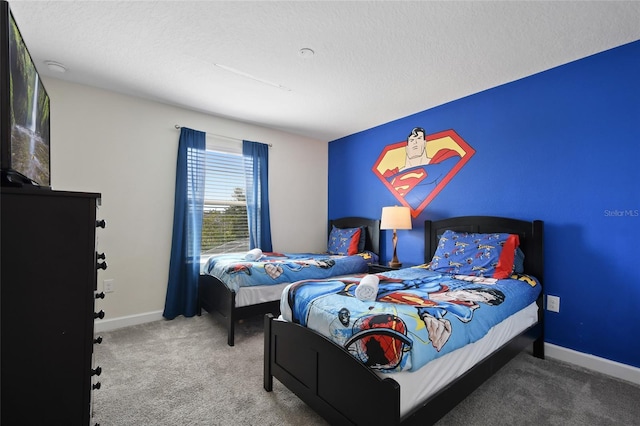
{"points": [[55, 66], [252, 77], [305, 52]]}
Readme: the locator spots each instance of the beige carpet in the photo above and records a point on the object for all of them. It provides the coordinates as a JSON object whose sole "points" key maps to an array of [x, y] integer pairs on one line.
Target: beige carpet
{"points": [[181, 372]]}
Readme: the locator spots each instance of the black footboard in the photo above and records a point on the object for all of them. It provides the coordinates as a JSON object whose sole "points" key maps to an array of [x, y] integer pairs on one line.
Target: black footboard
{"points": [[327, 378], [215, 296]]}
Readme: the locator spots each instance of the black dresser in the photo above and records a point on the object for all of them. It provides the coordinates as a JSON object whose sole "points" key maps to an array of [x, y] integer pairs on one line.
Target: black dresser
{"points": [[48, 288]]}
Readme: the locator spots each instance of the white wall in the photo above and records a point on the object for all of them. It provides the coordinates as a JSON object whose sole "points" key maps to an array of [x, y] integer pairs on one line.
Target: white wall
{"points": [[125, 148]]}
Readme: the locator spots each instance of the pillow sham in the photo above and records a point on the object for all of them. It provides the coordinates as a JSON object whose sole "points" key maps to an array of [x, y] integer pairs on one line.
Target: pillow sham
{"points": [[344, 241], [518, 261], [486, 255], [363, 239]]}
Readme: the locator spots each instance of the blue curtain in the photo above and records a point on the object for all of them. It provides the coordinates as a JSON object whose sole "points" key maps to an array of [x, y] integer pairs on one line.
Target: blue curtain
{"points": [[256, 164], [184, 265]]}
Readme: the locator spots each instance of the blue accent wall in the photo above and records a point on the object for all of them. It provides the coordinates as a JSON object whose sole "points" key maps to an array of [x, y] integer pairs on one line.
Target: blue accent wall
{"points": [[562, 146]]}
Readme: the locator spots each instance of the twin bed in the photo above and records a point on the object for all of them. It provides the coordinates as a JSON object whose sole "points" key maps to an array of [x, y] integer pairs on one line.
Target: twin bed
{"points": [[428, 338], [237, 288]]}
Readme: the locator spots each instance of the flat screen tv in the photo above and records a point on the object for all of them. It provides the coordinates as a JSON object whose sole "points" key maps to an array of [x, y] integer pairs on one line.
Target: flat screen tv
{"points": [[24, 111]]}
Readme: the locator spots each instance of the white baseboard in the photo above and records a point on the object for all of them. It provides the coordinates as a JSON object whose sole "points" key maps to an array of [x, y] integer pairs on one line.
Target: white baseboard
{"points": [[601, 365], [115, 323]]}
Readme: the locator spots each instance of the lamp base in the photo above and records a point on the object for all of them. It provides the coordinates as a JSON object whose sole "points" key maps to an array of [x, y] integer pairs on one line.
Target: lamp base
{"points": [[396, 265]]}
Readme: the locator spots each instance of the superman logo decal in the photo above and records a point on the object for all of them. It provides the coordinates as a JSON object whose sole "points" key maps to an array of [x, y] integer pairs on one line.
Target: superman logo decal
{"points": [[417, 169]]}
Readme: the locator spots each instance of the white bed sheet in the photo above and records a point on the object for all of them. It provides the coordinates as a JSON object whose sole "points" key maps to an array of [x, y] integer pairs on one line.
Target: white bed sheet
{"points": [[417, 386], [253, 295]]}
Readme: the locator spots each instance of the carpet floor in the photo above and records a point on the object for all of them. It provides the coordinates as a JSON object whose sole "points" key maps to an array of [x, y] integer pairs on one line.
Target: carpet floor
{"points": [[181, 372]]}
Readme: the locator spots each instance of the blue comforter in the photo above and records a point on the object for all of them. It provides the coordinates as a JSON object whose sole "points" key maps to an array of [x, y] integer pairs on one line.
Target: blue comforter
{"points": [[418, 315], [277, 268]]}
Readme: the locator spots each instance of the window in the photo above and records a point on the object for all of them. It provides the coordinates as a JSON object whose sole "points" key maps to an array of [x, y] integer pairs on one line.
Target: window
{"points": [[225, 227]]}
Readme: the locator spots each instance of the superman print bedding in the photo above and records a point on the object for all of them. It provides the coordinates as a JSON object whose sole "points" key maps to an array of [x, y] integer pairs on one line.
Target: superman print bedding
{"points": [[277, 268], [418, 315]]}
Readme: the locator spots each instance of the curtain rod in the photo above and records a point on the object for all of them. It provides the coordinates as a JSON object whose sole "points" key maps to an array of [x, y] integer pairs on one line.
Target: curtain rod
{"points": [[177, 126]]}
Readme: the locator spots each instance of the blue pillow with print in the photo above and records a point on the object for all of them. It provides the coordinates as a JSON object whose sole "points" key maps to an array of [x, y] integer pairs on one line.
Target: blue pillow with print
{"points": [[486, 255], [344, 241]]}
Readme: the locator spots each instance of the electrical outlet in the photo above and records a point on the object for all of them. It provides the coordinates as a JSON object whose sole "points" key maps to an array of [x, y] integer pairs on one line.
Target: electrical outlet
{"points": [[553, 303], [109, 286]]}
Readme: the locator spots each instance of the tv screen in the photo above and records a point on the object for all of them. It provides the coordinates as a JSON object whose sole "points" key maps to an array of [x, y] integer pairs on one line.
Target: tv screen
{"points": [[27, 151]]}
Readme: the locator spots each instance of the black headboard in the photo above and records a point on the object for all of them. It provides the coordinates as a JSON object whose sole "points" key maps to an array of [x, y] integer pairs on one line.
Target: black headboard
{"points": [[530, 233], [372, 227]]}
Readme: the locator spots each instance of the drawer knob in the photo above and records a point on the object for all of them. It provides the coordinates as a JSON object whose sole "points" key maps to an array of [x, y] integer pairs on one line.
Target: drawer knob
{"points": [[101, 223], [96, 386], [102, 265], [97, 340], [97, 371], [98, 314]]}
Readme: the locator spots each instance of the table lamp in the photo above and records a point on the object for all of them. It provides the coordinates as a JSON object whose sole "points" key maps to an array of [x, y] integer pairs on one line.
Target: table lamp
{"points": [[395, 217]]}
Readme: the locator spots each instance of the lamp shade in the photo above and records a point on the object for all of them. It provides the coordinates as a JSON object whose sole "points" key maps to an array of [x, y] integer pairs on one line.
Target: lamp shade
{"points": [[395, 217]]}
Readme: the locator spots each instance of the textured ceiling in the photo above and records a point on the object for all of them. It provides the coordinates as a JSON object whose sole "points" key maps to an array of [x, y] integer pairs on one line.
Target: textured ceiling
{"points": [[374, 61]]}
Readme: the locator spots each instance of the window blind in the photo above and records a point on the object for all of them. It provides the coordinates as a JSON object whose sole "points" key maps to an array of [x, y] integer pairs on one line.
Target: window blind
{"points": [[224, 223]]}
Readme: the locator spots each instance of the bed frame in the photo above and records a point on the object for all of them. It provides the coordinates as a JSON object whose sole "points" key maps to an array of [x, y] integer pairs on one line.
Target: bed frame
{"points": [[344, 391], [215, 296]]}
